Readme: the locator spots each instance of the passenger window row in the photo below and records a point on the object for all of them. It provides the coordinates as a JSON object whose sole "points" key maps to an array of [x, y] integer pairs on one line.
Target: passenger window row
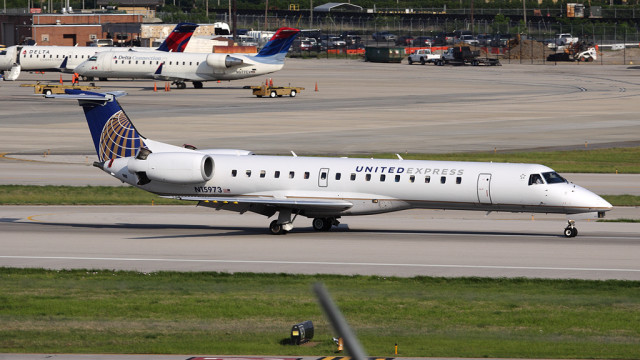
{"points": [[338, 176]]}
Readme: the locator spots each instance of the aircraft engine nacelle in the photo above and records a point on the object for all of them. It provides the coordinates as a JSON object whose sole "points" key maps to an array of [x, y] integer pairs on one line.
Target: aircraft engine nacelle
{"points": [[218, 61], [175, 168]]}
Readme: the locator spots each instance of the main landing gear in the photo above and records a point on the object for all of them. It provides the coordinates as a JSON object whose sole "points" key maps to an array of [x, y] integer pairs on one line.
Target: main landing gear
{"points": [[324, 224], [571, 230], [284, 223]]}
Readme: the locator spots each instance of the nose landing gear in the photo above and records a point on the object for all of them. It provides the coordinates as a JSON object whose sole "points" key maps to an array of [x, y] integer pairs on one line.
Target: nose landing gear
{"points": [[571, 230]]}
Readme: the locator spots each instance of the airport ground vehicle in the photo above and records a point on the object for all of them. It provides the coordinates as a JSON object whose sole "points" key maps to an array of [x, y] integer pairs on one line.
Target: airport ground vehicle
{"points": [[423, 56], [275, 91], [463, 55], [563, 39], [579, 51], [48, 89]]}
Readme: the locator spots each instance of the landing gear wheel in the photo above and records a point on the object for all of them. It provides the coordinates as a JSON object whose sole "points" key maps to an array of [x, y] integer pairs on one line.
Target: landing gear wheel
{"points": [[571, 231], [197, 84], [276, 229], [293, 93], [181, 85], [322, 224]]}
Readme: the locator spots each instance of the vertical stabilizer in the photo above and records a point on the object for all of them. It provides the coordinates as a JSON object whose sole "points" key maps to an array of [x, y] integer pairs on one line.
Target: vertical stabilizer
{"points": [[114, 136], [178, 38], [280, 42]]}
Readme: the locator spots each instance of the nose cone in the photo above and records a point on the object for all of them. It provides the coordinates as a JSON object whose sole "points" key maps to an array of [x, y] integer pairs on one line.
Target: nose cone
{"points": [[583, 200]]}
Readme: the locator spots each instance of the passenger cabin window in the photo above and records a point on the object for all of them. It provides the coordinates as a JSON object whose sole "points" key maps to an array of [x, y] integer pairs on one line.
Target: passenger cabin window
{"points": [[535, 179], [276, 174], [552, 177], [427, 179], [323, 175], [248, 172], [367, 177], [412, 178], [383, 177], [263, 173], [292, 174], [234, 173], [459, 180], [353, 176], [443, 179], [397, 178], [338, 176], [306, 174]]}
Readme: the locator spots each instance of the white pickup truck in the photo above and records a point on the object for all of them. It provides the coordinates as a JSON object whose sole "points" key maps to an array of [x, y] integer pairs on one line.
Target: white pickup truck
{"points": [[563, 39], [423, 56]]}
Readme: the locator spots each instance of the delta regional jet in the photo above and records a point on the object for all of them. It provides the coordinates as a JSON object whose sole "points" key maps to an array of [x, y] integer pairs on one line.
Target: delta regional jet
{"points": [[320, 188], [194, 67], [66, 58]]}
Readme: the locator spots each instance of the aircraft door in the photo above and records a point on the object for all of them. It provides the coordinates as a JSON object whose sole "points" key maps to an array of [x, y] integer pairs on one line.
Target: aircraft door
{"points": [[323, 177], [484, 188]]}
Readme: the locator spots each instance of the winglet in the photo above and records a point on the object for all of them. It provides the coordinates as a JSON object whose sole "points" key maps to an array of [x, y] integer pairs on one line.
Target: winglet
{"points": [[159, 69], [63, 66]]}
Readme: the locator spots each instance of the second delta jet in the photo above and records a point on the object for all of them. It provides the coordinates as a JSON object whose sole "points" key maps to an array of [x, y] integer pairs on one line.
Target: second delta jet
{"points": [[194, 67]]}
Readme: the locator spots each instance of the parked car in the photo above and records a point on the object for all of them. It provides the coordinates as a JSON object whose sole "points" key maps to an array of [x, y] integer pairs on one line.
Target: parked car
{"points": [[423, 41], [500, 40], [405, 40], [469, 40], [336, 41], [484, 39], [383, 36]]}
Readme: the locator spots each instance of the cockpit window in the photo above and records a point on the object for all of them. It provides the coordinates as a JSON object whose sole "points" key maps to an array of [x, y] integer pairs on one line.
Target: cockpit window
{"points": [[535, 179], [3, 52], [93, 58], [552, 177]]}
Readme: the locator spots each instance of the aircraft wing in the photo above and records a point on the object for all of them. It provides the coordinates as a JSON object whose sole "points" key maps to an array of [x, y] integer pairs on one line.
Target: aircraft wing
{"points": [[289, 203]]}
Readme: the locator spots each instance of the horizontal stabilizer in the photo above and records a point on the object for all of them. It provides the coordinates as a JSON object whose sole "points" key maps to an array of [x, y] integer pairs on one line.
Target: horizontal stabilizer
{"points": [[87, 95]]}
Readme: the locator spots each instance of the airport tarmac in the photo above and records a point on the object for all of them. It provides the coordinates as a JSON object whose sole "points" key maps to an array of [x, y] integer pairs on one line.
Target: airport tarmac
{"points": [[407, 243], [358, 108]]}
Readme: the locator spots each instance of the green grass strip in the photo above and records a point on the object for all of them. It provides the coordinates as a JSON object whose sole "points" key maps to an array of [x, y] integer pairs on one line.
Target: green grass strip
{"points": [[80, 195], [87, 311], [620, 160], [128, 195]]}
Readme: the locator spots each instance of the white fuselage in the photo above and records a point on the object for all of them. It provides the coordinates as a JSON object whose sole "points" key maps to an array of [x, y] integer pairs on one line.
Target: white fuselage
{"points": [[48, 58], [378, 186], [177, 66]]}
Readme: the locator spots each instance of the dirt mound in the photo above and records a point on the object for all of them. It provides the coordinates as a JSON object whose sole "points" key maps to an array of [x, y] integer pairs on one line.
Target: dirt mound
{"points": [[529, 49]]}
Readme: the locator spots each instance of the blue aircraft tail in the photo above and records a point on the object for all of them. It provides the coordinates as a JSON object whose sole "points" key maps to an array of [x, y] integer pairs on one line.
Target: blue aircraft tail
{"points": [[114, 136], [280, 42], [178, 38]]}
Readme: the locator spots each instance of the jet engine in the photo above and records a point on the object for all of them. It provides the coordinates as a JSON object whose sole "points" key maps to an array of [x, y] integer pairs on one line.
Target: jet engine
{"points": [[176, 168], [218, 61]]}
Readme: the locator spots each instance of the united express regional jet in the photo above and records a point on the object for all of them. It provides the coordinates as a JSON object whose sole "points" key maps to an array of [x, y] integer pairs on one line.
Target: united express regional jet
{"points": [[320, 188], [194, 67], [66, 58]]}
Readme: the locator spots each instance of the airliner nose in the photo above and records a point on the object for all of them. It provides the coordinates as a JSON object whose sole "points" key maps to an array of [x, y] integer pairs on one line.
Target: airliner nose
{"points": [[586, 200]]}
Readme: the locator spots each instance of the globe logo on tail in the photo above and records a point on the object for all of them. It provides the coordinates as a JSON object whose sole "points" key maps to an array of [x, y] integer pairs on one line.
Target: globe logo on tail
{"points": [[119, 138]]}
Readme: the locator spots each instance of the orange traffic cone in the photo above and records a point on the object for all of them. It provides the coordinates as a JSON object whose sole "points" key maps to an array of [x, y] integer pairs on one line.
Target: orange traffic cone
{"points": [[316, 86], [271, 82], [266, 83], [155, 87], [61, 82]]}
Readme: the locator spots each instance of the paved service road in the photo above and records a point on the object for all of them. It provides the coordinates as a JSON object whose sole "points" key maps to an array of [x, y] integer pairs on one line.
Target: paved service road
{"points": [[435, 243]]}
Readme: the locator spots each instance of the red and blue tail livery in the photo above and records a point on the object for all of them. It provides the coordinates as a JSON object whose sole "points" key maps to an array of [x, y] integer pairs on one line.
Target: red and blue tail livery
{"points": [[280, 42], [178, 38]]}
